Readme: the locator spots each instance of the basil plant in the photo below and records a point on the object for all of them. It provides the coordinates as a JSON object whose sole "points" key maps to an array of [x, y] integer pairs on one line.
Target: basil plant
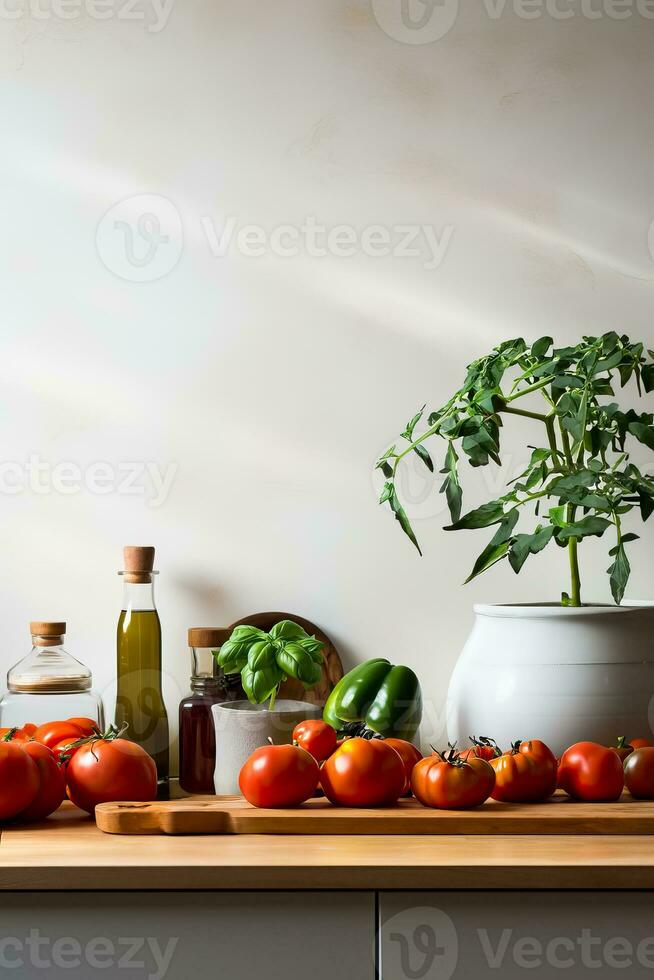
{"points": [[266, 660], [580, 480]]}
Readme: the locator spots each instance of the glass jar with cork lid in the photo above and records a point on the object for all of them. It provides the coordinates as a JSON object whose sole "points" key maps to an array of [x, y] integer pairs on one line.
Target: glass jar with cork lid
{"points": [[209, 686], [49, 684]]}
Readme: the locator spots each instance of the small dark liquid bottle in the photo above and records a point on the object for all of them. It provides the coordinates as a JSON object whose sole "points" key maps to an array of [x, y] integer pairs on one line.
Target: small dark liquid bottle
{"points": [[139, 698], [209, 686]]}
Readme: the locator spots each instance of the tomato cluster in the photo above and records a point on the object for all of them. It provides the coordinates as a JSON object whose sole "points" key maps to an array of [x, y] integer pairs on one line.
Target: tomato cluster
{"points": [[40, 766], [371, 771]]}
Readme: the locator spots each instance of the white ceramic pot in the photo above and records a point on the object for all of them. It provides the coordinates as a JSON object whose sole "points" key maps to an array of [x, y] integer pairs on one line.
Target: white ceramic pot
{"points": [[559, 674], [242, 727]]}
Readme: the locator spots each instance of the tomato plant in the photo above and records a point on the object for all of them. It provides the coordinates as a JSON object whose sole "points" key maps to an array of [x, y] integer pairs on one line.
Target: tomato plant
{"points": [[279, 776], [410, 757], [591, 772], [363, 772], [452, 783], [317, 737], [110, 768], [52, 782], [639, 773], [19, 779], [525, 774]]}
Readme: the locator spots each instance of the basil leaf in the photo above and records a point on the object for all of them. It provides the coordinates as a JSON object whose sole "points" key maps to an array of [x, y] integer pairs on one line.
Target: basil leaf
{"points": [[288, 630], [261, 655], [297, 662], [259, 685]]}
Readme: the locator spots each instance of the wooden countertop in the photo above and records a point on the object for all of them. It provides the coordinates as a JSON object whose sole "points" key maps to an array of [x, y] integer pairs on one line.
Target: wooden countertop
{"points": [[68, 852]]}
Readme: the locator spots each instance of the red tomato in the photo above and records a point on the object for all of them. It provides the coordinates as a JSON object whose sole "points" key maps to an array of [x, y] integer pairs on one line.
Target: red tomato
{"points": [[640, 743], [622, 749], [317, 737], [52, 788], [363, 772], [19, 780], [54, 731], [107, 770], [29, 729], [279, 776], [452, 783], [86, 725], [527, 773], [62, 750], [14, 735], [639, 773], [482, 748], [591, 772], [409, 755]]}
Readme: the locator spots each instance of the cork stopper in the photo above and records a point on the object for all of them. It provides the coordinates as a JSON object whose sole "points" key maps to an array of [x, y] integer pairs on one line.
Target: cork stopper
{"points": [[205, 637], [47, 633], [139, 562]]}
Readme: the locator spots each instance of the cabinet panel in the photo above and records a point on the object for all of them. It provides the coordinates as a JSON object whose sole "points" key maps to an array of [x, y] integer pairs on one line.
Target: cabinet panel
{"points": [[176, 936], [515, 935]]}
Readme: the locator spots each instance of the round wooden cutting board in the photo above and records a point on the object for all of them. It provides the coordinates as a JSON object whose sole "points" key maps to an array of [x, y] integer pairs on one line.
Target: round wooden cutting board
{"points": [[332, 670]]}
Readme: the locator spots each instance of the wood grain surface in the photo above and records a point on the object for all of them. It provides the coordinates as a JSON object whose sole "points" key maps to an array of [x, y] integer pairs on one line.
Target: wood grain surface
{"points": [[234, 815], [332, 667], [67, 852]]}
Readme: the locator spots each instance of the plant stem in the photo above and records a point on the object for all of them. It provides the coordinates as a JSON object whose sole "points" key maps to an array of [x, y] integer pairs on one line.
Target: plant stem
{"points": [[523, 411], [273, 698], [527, 391], [575, 578]]}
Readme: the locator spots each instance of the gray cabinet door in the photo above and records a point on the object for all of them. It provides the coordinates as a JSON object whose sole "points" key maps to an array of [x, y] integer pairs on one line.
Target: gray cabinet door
{"points": [[515, 935], [184, 935]]}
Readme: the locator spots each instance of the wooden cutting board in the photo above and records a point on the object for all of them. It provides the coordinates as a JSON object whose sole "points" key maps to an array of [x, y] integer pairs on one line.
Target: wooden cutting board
{"points": [[233, 815]]}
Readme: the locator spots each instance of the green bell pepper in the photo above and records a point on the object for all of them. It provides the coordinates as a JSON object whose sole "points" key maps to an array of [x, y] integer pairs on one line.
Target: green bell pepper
{"points": [[380, 697]]}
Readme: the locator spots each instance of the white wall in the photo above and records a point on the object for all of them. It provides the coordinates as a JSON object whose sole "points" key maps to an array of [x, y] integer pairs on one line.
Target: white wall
{"points": [[272, 383]]}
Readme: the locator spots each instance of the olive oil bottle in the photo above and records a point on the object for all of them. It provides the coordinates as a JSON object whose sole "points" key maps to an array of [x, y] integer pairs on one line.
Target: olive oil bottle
{"points": [[139, 698]]}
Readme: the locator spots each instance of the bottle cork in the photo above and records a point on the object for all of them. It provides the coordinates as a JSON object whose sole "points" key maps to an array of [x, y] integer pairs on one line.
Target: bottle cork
{"points": [[204, 637], [139, 562], [47, 633]]}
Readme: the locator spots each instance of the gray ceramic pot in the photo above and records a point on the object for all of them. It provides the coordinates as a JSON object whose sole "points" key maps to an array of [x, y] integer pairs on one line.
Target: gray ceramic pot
{"points": [[242, 727]]}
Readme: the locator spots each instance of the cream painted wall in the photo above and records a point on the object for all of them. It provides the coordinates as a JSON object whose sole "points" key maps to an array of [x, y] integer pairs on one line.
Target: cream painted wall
{"points": [[522, 137]]}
